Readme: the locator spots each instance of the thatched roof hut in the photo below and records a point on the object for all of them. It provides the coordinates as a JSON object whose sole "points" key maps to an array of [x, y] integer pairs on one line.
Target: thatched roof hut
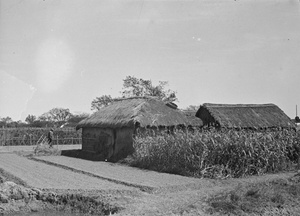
{"points": [[191, 115], [255, 116], [136, 112], [109, 131]]}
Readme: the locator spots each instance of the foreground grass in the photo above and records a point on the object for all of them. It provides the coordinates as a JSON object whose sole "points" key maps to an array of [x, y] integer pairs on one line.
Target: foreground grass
{"points": [[275, 197], [217, 153]]}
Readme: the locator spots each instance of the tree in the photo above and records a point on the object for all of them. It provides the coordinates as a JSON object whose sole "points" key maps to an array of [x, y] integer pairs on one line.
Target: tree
{"points": [[133, 87], [139, 87], [100, 102], [59, 114], [4, 122], [297, 119], [192, 108], [30, 119], [7, 120], [45, 117], [54, 117]]}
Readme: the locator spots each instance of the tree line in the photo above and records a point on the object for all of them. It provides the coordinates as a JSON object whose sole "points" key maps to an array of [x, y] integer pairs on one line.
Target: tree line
{"points": [[56, 117]]}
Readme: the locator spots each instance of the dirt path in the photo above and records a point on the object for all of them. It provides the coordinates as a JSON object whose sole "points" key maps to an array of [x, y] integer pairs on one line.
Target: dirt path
{"points": [[45, 176], [7, 149]]}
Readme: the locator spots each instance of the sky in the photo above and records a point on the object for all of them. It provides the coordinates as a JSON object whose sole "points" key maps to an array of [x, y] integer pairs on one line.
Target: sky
{"points": [[65, 53]]}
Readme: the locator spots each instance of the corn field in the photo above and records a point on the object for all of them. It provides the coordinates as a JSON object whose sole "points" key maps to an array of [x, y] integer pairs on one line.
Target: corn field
{"points": [[31, 136], [216, 153]]}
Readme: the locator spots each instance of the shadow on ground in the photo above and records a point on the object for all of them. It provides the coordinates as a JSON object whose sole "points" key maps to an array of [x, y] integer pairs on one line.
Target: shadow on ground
{"points": [[77, 153]]}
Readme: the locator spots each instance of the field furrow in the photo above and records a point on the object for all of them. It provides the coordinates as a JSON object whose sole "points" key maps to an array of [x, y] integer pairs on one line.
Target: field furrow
{"points": [[45, 176], [122, 173]]}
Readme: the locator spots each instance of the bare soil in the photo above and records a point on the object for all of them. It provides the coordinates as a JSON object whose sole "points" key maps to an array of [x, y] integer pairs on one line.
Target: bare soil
{"points": [[122, 173], [41, 175]]}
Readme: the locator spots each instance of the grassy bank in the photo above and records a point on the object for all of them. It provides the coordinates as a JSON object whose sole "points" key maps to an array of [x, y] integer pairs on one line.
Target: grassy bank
{"points": [[217, 153], [276, 197]]}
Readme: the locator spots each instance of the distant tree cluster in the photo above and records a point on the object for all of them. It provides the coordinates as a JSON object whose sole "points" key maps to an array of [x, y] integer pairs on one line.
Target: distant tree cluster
{"points": [[8, 122], [133, 87], [192, 108], [56, 117]]}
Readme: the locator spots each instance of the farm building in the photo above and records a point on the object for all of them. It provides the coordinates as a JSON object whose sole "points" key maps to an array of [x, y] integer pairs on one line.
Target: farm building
{"points": [[109, 132], [250, 116], [191, 115]]}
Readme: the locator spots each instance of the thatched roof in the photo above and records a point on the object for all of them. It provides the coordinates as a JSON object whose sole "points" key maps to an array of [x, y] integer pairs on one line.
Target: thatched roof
{"points": [[245, 115], [137, 111], [191, 115], [189, 112]]}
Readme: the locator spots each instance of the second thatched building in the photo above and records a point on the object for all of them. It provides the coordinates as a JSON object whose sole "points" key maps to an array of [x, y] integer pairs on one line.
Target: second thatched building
{"points": [[246, 116], [109, 132]]}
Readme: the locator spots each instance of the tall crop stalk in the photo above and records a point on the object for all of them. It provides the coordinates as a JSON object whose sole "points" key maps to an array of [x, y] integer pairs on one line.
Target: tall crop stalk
{"points": [[216, 153]]}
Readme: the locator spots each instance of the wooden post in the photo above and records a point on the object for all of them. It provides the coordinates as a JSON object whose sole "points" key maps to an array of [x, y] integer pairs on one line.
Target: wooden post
{"points": [[4, 136]]}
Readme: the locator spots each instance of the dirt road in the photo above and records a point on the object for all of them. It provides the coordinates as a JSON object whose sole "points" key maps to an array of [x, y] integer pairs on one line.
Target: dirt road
{"points": [[7, 149]]}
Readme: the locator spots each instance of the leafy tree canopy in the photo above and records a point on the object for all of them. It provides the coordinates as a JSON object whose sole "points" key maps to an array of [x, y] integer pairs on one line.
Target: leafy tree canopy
{"points": [[133, 87], [192, 108], [30, 119], [100, 102], [7, 120], [56, 115]]}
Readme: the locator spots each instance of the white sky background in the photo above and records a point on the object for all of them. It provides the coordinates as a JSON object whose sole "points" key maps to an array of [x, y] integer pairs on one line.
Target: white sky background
{"points": [[65, 53]]}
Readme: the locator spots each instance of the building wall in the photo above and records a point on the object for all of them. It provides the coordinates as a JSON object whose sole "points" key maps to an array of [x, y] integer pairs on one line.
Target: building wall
{"points": [[98, 140], [206, 117], [124, 143], [110, 143]]}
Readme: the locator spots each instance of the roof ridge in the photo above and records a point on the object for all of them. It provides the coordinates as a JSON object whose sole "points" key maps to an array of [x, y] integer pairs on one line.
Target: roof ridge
{"points": [[136, 97], [238, 105]]}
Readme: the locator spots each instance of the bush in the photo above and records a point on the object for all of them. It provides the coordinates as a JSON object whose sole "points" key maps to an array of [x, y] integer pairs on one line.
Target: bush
{"points": [[45, 149], [216, 153]]}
